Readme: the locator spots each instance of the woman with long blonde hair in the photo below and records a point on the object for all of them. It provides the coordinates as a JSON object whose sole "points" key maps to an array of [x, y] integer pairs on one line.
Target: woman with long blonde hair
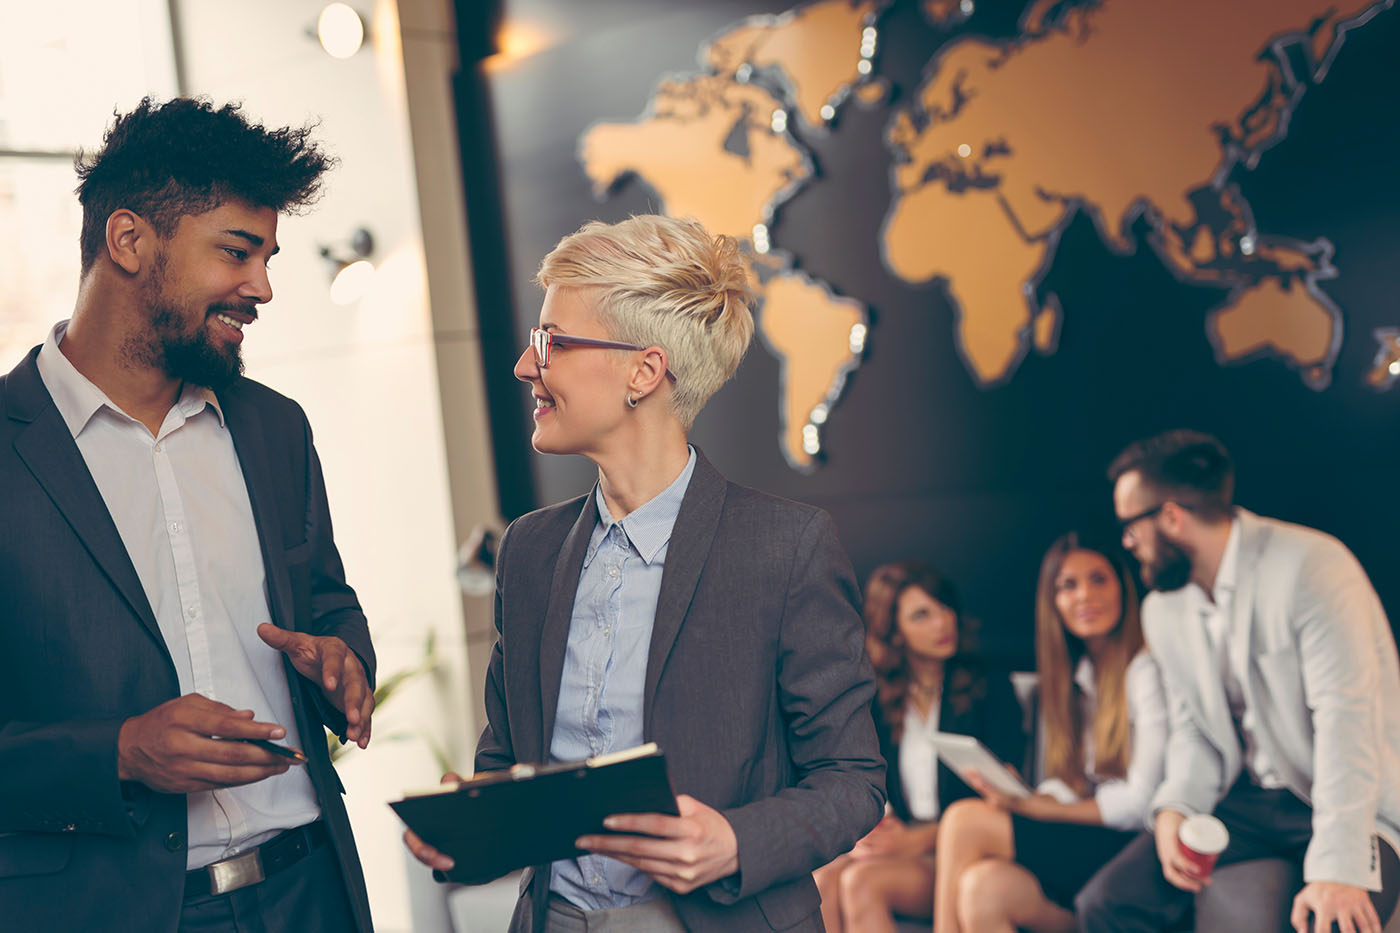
{"points": [[1008, 863]]}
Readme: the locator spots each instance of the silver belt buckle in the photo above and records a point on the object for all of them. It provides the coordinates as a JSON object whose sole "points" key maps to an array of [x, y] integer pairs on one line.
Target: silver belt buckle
{"points": [[234, 873]]}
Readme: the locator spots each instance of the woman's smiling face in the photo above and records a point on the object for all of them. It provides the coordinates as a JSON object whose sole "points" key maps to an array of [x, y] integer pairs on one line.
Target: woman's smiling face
{"points": [[1088, 595], [580, 398]]}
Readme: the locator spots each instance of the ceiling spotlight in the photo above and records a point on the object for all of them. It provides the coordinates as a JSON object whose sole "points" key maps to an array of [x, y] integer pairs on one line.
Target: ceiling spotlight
{"points": [[353, 273], [341, 30]]}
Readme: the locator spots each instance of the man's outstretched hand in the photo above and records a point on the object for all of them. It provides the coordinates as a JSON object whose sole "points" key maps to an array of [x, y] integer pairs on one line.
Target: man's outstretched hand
{"points": [[326, 660]]}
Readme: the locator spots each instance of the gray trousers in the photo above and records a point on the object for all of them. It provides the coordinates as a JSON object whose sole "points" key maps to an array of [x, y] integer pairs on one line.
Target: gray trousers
{"points": [[1130, 893]]}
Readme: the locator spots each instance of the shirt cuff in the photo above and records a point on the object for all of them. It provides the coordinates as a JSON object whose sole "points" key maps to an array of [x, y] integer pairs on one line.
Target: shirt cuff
{"points": [[1119, 807]]}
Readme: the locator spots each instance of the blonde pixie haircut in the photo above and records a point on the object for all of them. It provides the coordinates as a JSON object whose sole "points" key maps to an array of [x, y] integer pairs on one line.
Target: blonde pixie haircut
{"points": [[667, 283]]}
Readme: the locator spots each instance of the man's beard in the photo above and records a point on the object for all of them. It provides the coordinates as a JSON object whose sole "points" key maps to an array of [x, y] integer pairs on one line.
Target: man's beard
{"points": [[184, 351], [1170, 570], [193, 357]]}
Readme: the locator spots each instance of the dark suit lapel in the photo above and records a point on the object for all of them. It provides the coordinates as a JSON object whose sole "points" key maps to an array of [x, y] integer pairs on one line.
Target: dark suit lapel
{"points": [[251, 446], [554, 636], [691, 538], [49, 452]]}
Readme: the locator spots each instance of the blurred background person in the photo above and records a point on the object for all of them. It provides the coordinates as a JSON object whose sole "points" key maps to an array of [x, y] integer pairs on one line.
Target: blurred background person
{"points": [[928, 679], [1286, 688], [1006, 863]]}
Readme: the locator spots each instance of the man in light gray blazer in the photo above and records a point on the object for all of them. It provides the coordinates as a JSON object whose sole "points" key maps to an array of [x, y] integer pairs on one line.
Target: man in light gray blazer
{"points": [[1284, 691]]}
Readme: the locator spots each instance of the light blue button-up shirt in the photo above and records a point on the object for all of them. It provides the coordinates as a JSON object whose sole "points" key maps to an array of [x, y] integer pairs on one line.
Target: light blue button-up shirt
{"points": [[605, 667]]}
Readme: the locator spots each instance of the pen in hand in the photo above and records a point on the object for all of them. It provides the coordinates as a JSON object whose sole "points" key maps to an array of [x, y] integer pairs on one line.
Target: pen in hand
{"points": [[273, 747]]}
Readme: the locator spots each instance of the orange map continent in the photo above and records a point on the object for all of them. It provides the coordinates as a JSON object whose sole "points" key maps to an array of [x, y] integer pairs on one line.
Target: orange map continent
{"points": [[1118, 109], [714, 146]]}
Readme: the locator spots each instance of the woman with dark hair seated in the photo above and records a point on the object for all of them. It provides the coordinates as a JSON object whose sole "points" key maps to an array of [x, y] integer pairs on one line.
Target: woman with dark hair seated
{"points": [[927, 681], [1005, 863]]}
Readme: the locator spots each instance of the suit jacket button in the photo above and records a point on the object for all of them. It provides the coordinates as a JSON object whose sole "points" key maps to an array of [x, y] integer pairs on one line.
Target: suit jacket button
{"points": [[175, 842]]}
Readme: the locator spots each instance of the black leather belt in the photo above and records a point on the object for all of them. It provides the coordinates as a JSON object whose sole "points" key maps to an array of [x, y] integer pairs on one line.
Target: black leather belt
{"points": [[279, 852]]}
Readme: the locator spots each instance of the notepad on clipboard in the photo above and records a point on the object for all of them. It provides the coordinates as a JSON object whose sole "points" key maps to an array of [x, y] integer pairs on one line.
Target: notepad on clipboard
{"points": [[964, 755], [531, 814]]}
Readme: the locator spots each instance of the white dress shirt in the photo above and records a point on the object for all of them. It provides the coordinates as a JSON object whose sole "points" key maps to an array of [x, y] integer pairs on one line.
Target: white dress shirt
{"points": [[918, 762], [181, 507], [1215, 616], [1123, 802]]}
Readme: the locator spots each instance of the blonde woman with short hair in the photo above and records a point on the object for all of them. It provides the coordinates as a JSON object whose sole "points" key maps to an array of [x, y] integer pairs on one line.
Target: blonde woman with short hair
{"points": [[671, 605]]}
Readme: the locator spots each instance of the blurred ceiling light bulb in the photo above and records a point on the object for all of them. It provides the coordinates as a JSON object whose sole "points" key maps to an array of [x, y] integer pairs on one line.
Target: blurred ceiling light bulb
{"points": [[352, 274], [341, 30], [352, 282]]}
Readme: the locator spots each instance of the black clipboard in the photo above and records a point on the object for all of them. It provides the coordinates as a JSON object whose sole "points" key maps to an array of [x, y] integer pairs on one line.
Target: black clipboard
{"points": [[531, 814]]}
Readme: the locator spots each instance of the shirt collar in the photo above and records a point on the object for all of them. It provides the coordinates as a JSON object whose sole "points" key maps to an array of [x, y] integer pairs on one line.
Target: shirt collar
{"points": [[1226, 576], [1084, 675], [1223, 590], [77, 399], [648, 527]]}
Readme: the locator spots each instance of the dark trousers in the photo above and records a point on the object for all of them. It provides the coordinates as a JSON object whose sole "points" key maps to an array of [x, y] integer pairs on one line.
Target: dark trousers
{"points": [[1131, 894], [308, 897]]}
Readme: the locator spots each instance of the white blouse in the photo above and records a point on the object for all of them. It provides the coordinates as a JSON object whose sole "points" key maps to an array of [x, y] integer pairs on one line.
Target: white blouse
{"points": [[1123, 802], [918, 762]]}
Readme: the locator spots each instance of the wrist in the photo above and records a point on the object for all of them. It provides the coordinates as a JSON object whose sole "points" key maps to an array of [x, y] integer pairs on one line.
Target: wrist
{"points": [[1168, 818], [125, 772], [1038, 806]]}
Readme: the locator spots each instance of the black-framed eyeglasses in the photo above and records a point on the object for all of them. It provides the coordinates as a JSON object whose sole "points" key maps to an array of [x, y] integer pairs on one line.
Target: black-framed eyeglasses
{"points": [[1125, 523], [543, 342]]}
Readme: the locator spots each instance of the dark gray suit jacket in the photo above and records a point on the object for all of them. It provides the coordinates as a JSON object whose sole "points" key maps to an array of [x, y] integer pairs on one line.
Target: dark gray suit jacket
{"points": [[757, 688], [80, 651]]}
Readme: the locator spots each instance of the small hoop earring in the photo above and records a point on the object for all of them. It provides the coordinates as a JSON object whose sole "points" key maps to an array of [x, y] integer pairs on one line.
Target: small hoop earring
{"points": [[631, 401]]}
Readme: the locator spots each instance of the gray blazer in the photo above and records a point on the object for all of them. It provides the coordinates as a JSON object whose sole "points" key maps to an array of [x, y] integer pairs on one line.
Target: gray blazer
{"points": [[757, 689], [1322, 678]]}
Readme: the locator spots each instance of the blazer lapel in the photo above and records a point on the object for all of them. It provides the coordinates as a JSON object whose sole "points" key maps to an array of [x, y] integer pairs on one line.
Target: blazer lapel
{"points": [[1203, 668], [48, 450], [1242, 608], [1241, 636], [691, 538], [554, 636], [251, 447]]}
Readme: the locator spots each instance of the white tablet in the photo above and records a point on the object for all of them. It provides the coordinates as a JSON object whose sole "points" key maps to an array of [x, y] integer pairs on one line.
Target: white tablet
{"points": [[965, 754]]}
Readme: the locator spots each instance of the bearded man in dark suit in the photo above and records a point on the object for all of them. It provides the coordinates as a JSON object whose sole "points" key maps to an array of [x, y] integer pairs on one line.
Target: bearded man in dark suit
{"points": [[168, 577]]}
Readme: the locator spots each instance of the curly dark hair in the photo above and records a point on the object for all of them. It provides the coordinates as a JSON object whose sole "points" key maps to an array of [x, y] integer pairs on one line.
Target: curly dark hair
{"points": [[964, 674], [185, 157]]}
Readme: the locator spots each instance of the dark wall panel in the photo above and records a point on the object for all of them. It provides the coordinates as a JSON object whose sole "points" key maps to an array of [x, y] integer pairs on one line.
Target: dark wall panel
{"points": [[919, 460]]}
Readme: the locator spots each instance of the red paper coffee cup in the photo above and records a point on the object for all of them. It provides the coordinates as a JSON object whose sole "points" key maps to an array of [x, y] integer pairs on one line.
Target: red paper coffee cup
{"points": [[1200, 840]]}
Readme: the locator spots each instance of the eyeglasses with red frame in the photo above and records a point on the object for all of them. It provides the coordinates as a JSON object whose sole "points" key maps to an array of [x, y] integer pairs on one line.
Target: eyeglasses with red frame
{"points": [[543, 341]]}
